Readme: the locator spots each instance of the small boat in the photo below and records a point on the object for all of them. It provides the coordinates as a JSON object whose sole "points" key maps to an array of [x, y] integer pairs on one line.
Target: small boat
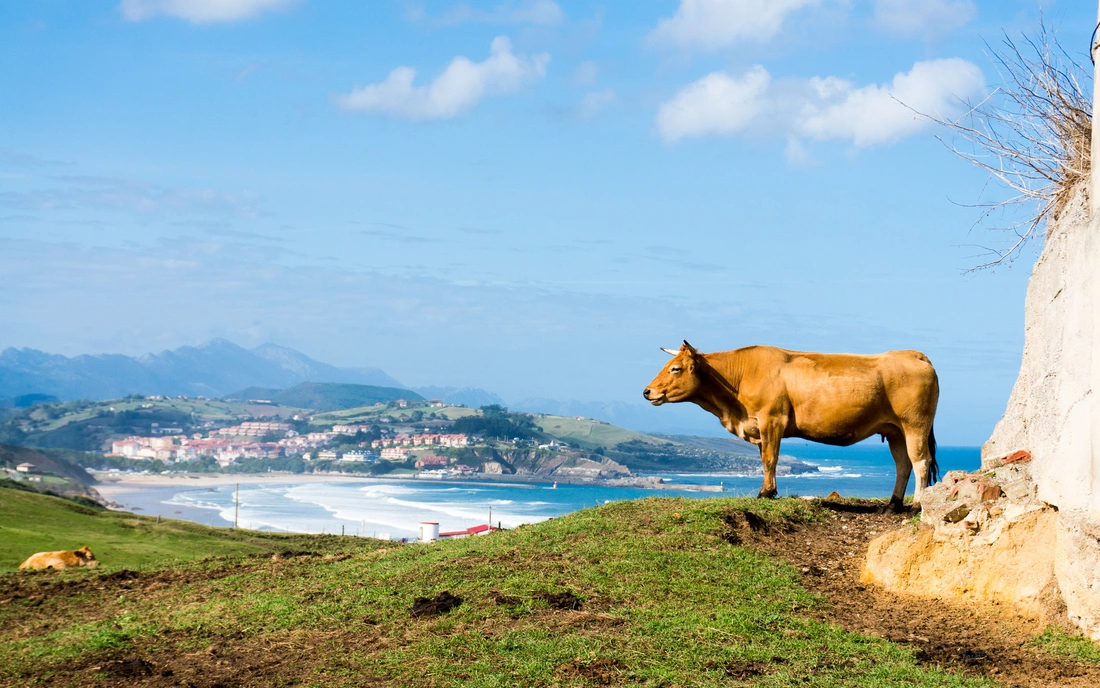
{"points": [[554, 487]]}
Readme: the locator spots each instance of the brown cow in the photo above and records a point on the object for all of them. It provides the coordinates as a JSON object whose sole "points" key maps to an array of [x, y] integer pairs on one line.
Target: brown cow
{"points": [[763, 394], [60, 560]]}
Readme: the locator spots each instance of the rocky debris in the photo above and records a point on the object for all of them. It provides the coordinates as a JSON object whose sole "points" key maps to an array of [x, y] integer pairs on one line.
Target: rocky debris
{"points": [[983, 536]]}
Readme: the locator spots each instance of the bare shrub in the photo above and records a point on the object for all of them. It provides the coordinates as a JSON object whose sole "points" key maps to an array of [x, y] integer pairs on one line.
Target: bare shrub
{"points": [[1033, 135]]}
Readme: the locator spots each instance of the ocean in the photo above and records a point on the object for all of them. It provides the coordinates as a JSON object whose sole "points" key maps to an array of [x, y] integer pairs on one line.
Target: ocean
{"points": [[393, 508]]}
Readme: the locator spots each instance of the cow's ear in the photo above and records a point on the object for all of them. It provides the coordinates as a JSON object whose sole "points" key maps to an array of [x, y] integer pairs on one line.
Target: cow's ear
{"points": [[689, 348]]}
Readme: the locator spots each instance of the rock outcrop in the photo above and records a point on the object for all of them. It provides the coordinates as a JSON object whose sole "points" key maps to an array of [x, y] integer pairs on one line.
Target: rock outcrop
{"points": [[1053, 410], [1025, 529]]}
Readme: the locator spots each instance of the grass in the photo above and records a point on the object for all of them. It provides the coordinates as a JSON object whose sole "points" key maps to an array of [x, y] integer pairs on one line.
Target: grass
{"points": [[205, 409], [666, 600], [589, 432], [32, 523], [1062, 644], [370, 414]]}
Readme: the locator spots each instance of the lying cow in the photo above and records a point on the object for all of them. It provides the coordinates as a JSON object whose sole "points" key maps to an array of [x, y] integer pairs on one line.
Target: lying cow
{"points": [[60, 560], [763, 394]]}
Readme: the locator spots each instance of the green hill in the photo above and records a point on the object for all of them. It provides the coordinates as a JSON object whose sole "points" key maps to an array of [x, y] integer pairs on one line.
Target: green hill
{"points": [[651, 593], [45, 462], [31, 522], [327, 396], [91, 425], [589, 433]]}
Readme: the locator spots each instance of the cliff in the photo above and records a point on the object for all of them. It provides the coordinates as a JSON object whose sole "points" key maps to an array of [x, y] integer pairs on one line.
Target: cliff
{"points": [[1025, 530]]}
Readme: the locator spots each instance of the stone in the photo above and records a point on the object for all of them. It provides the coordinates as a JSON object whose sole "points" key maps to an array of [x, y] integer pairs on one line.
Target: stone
{"points": [[957, 514], [989, 492]]}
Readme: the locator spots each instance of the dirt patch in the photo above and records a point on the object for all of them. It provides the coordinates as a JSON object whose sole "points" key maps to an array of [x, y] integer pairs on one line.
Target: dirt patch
{"points": [[560, 600], [602, 672], [973, 639], [134, 667], [434, 606], [54, 584], [743, 671], [235, 661]]}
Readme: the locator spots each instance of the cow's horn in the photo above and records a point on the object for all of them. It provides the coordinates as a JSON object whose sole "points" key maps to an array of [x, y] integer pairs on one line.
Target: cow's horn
{"points": [[670, 352]]}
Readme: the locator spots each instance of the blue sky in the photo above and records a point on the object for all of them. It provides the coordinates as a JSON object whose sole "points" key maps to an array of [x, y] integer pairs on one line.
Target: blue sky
{"points": [[522, 195]]}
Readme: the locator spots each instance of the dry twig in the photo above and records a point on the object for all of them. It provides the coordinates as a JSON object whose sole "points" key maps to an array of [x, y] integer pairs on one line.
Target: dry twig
{"points": [[1032, 134]]}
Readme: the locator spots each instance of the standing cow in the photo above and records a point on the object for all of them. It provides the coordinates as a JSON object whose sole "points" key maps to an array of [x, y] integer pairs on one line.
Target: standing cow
{"points": [[763, 394]]}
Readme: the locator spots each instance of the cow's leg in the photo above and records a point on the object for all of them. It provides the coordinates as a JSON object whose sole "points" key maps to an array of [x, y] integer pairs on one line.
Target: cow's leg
{"points": [[903, 466], [769, 456], [916, 442]]}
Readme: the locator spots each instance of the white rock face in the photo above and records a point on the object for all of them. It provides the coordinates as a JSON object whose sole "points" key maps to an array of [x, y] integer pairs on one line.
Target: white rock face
{"points": [[1027, 534], [1053, 411]]}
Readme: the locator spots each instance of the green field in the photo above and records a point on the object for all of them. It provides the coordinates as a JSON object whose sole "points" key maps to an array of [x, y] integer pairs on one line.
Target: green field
{"points": [[371, 414], [589, 432], [47, 418], [32, 523], [633, 593]]}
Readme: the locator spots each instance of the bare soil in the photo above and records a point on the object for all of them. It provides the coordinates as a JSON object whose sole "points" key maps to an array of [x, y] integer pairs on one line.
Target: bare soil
{"points": [[975, 639]]}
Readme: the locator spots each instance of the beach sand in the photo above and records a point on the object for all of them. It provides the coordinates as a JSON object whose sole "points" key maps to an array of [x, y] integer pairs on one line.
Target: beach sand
{"points": [[113, 484]]}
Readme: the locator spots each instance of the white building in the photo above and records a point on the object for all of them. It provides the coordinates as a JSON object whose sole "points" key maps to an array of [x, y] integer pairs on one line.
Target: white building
{"points": [[357, 456]]}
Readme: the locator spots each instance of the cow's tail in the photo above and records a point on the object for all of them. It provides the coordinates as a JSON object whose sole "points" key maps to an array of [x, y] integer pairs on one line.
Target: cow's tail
{"points": [[933, 467]]}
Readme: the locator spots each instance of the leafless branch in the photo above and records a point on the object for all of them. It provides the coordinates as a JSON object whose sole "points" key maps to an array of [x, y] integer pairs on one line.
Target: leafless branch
{"points": [[1032, 135]]}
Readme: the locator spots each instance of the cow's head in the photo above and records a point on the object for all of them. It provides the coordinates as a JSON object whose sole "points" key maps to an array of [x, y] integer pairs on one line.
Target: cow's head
{"points": [[86, 557], [678, 380]]}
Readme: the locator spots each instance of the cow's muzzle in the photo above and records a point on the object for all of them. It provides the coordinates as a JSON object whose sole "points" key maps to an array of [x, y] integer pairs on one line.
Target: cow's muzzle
{"points": [[653, 397]]}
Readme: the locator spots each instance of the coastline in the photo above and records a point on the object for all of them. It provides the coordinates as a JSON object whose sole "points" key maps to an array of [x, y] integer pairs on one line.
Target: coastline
{"points": [[123, 483], [114, 484]]}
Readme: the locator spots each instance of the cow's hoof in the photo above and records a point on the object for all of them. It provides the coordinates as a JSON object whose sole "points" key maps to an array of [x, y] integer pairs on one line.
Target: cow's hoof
{"points": [[768, 494], [896, 506]]}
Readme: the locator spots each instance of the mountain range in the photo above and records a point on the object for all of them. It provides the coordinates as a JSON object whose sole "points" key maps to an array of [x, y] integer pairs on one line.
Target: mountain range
{"points": [[213, 369], [220, 367]]}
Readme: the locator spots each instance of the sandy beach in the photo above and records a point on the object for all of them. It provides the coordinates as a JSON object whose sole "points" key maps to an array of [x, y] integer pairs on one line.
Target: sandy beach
{"points": [[113, 484]]}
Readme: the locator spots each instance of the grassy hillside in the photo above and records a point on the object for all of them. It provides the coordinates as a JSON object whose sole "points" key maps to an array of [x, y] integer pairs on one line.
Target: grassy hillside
{"points": [[652, 593], [371, 414], [327, 396], [47, 464], [32, 523], [589, 433], [89, 426]]}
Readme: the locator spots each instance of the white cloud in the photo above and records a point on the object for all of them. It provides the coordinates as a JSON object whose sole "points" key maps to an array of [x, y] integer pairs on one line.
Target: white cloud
{"points": [[595, 101], [710, 24], [543, 12], [876, 114], [716, 104], [199, 11], [461, 85], [923, 17], [820, 108]]}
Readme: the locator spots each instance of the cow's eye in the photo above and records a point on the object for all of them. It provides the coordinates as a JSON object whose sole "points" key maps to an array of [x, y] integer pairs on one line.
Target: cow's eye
{"points": [[675, 369]]}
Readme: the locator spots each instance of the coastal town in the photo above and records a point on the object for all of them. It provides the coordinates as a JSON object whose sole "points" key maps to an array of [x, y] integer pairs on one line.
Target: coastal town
{"points": [[271, 440]]}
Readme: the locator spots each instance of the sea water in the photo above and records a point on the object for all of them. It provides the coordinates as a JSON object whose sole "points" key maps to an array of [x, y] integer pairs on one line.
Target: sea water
{"points": [[393, 508]]}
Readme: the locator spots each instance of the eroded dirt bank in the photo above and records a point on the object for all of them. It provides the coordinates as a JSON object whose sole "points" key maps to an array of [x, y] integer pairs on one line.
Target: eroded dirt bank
{"points": [[975, 639]]}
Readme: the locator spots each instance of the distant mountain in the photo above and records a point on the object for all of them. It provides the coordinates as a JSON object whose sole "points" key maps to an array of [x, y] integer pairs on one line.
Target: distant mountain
{"points": [[467, 396], [327, 396], [213, 369]]}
